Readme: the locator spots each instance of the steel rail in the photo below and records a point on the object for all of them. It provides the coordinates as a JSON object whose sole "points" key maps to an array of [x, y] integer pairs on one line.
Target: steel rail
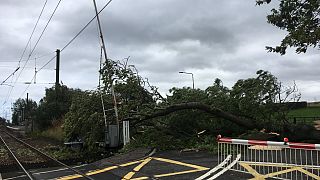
{"points": [[49, 157], [16, 159]]}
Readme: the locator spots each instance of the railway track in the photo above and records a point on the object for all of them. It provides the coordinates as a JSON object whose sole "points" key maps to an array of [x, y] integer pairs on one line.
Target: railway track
{"points": [[12, 144]]}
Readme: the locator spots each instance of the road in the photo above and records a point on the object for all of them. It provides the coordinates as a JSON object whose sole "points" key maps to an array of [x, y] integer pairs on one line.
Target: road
{"points": [[162, 165]]}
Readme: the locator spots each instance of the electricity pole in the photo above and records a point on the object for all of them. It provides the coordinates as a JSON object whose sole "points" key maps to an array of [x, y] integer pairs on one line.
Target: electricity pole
{"points": [[26, 119], [57, 67], [57, 85]]}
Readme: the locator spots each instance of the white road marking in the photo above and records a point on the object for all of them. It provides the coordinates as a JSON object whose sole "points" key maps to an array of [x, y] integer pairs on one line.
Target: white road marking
{"points": [[215, 168], [0, 177], [44, 172], [226, 168]]}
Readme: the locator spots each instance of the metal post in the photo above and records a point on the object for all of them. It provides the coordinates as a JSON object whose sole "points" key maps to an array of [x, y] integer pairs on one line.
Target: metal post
{"points": [[192, 81], [27, 119], [57, 76], [57, 67]]}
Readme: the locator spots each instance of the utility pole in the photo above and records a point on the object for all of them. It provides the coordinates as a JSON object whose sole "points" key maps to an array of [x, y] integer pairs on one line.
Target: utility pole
{"points": [[57, 67], [57, 76], [26, 119]]}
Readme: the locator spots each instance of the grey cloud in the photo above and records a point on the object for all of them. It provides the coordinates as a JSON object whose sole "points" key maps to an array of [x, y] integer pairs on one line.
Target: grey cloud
{"points": [[210, 38]]}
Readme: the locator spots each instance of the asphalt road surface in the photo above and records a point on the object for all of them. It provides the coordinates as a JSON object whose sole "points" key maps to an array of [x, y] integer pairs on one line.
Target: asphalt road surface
{"points": [[162, 165]]}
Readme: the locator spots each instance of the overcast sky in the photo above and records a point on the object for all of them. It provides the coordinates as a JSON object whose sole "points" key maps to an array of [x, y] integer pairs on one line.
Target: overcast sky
{"points": [[210, 38]]}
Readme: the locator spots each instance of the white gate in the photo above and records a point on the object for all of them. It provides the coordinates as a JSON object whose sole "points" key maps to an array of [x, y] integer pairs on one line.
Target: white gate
{"points": [[269, 159]]}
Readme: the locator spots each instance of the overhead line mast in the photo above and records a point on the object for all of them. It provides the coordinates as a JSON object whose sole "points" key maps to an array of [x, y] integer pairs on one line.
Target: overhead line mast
{"points": [[114, 100]]}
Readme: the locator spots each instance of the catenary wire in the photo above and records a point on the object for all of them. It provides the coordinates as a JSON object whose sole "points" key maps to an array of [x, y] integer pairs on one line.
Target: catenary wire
{"points": [[34, 47], [64, 47]]}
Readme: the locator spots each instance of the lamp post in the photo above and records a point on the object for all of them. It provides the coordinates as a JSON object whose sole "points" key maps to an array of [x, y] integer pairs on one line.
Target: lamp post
{"points": [[182, 72]]}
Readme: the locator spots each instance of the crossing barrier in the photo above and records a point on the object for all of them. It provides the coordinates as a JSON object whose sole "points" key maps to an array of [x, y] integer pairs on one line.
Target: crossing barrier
{"points": [[270, 159]]}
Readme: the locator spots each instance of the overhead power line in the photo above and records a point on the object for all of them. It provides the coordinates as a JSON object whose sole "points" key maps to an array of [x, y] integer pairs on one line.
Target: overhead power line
{"points": [[64, 47], [75, 37], [18, 67], [34, 28], [37, 42], [85, 26]]}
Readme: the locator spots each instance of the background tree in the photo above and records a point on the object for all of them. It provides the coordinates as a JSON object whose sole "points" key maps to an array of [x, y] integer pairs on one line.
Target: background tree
{"points": [[301, 19], [20, 110], [54, 105]]}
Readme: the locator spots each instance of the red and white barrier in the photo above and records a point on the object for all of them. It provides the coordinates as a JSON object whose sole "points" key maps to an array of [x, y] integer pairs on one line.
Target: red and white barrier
{"points": [[270, 159], [270, 143]]}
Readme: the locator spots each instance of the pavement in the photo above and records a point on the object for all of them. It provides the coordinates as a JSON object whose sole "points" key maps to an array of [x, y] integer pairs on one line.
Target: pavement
{"points": [[136, 165]]}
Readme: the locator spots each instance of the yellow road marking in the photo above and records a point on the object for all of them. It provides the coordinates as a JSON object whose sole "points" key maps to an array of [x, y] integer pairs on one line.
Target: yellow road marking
{"points": [[278, 165], [258, 176], [168, 174], [102, 170], [180, 163], [98, 171], [130, 163], [143, 162], [136, 169], [178, 173], [252, 171], [309, 173], [281, 172]]}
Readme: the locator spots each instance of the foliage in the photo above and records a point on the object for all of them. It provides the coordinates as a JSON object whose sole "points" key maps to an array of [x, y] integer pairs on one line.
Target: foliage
{"points": [[54, 105], [255, 98], [305, 112], [2, 120], [22, 109], [84, 121], [193, 121], [301, 19]]}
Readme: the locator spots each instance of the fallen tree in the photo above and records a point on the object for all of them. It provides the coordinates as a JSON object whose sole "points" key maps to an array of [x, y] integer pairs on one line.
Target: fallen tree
{"points": [[297, 132], [243, 122]]}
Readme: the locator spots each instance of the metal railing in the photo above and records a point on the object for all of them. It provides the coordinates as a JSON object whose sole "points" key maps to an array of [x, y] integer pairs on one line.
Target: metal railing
{"points": [[269, 159]]}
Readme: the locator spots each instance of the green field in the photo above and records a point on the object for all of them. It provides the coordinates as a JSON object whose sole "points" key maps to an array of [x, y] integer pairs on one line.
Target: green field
{"points": [[305, 112]]}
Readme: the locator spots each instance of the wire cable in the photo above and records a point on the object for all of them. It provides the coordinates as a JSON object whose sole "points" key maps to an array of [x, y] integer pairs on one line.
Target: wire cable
{"points": [[34, 28], [37, 42], [85, 26], [34, 47], [64, 47]]}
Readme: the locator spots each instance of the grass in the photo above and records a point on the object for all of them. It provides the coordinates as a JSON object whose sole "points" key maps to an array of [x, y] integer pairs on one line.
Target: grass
{"points": [[55, 133], [305, 115], [305, 112]]}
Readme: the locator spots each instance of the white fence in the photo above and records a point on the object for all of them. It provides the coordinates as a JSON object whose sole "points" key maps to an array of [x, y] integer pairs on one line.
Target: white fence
{"points": [[269, 159]]}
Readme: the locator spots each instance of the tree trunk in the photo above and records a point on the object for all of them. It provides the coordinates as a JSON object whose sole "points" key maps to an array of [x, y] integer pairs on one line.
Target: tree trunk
{"points": [[246, 123]]}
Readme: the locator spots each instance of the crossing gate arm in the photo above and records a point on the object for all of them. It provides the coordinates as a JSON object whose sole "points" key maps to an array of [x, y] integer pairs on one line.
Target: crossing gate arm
{"points": [[293, 145]]}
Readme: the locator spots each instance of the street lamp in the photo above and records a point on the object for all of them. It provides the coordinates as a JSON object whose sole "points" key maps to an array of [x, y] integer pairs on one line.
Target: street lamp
{"points": [[182, 72]]}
